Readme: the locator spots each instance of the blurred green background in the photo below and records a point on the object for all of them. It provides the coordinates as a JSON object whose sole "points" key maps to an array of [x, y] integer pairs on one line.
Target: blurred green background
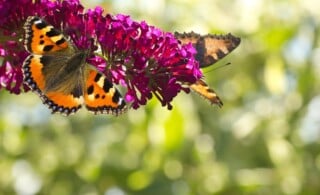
{"points": [[265, 139]]}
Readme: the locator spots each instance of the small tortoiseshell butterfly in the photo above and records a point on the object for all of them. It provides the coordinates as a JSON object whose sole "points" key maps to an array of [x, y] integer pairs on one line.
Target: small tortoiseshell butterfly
{"points": [[210, 49], [57, 71]]}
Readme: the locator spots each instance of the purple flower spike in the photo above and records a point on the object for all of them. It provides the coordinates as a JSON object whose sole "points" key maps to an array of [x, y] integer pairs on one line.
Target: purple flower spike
{"points": [[148, 60], [142, 58]]}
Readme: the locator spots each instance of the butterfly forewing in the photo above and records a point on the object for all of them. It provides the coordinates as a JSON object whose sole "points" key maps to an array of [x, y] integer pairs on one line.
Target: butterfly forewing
{"points": [[40, 37], [101, 96], [210, 48]]}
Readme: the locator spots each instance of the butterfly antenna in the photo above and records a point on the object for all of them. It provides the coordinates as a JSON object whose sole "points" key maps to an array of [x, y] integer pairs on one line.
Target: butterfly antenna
{"points": [[216, 68]]}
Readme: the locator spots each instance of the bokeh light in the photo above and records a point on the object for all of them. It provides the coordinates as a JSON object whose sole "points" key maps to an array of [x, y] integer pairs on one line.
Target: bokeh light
{"points": [[264, 140]]}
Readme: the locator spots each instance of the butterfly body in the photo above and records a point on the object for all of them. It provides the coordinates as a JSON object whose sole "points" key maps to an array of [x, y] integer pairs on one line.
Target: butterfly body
{"points": [[57, 71]]}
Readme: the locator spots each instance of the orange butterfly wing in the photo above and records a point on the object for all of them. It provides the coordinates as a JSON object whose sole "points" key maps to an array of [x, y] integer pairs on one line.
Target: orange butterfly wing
{"points": [[203, 89], [43, 38], [210, 48], [100, 96]]}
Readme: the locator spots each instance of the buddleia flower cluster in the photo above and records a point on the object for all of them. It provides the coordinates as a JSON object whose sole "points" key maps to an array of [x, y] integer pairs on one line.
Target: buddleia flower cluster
{"points": [[144, 59]]}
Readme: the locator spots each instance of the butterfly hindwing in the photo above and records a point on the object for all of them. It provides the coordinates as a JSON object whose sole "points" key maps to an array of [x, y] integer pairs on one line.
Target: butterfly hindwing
{"points": [[203, 89], [65, 98], [100, 96], [32, 71], [63, 103], [210, 48]]}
